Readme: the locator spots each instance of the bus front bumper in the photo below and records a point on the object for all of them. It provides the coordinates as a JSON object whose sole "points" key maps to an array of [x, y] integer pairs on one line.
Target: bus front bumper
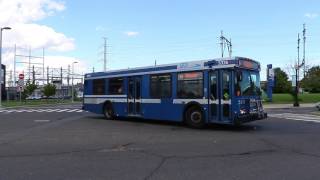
{"points": [[250, 117]]}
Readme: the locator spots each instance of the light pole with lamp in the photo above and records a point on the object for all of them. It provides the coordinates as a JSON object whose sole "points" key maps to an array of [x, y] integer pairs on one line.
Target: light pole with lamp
{"points": [[72, 88], [4, 28]]}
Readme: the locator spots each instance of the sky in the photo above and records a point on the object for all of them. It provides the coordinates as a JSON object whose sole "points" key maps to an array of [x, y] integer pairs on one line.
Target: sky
{"points": [[141, 32]]}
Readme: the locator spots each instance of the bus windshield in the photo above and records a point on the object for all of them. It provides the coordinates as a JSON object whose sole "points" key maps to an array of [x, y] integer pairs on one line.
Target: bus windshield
{"points": [[248, 84]]}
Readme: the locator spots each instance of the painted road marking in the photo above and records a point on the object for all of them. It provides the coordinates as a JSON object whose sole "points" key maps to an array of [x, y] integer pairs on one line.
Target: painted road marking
{"points": [[297, 117], [42, 120], [40, 110]]}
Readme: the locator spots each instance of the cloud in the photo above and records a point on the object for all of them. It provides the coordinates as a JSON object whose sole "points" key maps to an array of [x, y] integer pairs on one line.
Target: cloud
{"points": [[311, 15], [25, 11], [131, 33], [55, 6], [22, 16], [37, 37]]}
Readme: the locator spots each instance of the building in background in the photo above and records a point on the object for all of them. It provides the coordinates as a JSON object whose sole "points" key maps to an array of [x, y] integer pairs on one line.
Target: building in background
{"points": [[3, 81]]}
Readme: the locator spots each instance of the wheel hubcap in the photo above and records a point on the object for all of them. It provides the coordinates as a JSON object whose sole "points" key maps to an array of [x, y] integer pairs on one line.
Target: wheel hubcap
{"points": [[108, 113], [196, 117]]}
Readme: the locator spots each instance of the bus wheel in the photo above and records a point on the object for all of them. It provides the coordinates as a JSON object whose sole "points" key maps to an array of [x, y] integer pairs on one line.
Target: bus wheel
{"points": [[108, 111], [194, 117]]}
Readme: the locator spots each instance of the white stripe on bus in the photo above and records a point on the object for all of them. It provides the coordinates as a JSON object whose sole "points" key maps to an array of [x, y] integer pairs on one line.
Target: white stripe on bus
{"points": [[214, 101], [152, 101], [226, 101], [102, 100], [106, 96], [185, 101]]}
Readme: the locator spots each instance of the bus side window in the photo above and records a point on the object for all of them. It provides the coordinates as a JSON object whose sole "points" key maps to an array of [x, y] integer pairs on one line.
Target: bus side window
{"points": [[98, 87], [116, 86], [190, 85], [160, 86]]}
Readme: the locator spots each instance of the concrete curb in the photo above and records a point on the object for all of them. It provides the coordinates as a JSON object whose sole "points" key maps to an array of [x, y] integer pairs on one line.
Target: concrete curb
{"points": [[282, 106]]}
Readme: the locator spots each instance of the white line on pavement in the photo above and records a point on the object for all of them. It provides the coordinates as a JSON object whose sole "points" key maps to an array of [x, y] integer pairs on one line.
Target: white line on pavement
{"points": [[297, 117], [41, 120]]}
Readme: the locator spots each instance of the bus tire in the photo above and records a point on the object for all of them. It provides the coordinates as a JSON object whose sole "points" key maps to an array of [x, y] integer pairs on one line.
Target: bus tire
{"points": [[194, 117], [108, 111]]}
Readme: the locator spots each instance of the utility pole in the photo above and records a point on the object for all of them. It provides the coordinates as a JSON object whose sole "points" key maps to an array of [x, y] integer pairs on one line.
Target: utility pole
{"points": [[29, 64], [51, 75], [43, 71], [33, 75], [1, 29], [9, 86], [14, 65], [304, 50], [230, 50], [225, 42], [222, 43], [68, 78], [61, 75], [105, 54], [72, 88], [297, 66], [11, 79], [48, 75]]}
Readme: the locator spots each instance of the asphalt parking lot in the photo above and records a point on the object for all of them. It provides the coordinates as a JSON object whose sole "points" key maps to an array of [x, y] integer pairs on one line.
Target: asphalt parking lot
{"points": [[79, 145]]}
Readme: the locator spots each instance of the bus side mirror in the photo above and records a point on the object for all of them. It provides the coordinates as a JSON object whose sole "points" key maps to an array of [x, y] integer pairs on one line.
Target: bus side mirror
{"points": [[259, 92], [239, 76]]}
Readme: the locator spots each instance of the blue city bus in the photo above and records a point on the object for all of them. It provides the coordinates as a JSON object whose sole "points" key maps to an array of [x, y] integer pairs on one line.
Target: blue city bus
{"points": [[222, 91]]}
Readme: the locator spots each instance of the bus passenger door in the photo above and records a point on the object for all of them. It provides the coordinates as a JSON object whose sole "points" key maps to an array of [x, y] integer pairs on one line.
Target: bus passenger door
{"points": [[219, 95], [225, 95], [213, 96], [134, 95]]}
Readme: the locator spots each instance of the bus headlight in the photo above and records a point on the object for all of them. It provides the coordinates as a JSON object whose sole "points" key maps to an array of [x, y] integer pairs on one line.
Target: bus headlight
{"points": [[242, 111]]}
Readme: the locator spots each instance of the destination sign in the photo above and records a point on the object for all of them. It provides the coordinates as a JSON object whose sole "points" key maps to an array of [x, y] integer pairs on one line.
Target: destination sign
{"points": [[240, 62], [246, 63]]}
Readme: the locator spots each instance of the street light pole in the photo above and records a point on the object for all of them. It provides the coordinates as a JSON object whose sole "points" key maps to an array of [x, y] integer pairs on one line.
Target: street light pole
{"points": [[4, 28], [72, 88]]}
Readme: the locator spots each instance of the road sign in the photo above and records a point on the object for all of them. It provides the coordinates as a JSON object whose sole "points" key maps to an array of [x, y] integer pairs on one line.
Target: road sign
{"points": [[294, 80], [270, 81], [21, 76], [20, 82], [20, 89]]}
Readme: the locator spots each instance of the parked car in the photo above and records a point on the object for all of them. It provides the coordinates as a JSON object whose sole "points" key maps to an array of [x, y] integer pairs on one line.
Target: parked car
{"points": [[33, 98], [318, 106]]}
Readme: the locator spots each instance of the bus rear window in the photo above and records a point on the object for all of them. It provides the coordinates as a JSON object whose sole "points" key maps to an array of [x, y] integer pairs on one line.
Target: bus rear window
{"points": [[98, 87], [116, 86]]}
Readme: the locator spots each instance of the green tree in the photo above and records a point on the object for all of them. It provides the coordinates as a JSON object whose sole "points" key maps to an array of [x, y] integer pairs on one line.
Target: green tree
{"points": [[49, 90], [30, 88], [282, 85], [311, 82]]}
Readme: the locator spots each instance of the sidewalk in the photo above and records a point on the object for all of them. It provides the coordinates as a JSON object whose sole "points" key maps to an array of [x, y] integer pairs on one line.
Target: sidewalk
{"points": [[38, 105], [281, 106]]}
